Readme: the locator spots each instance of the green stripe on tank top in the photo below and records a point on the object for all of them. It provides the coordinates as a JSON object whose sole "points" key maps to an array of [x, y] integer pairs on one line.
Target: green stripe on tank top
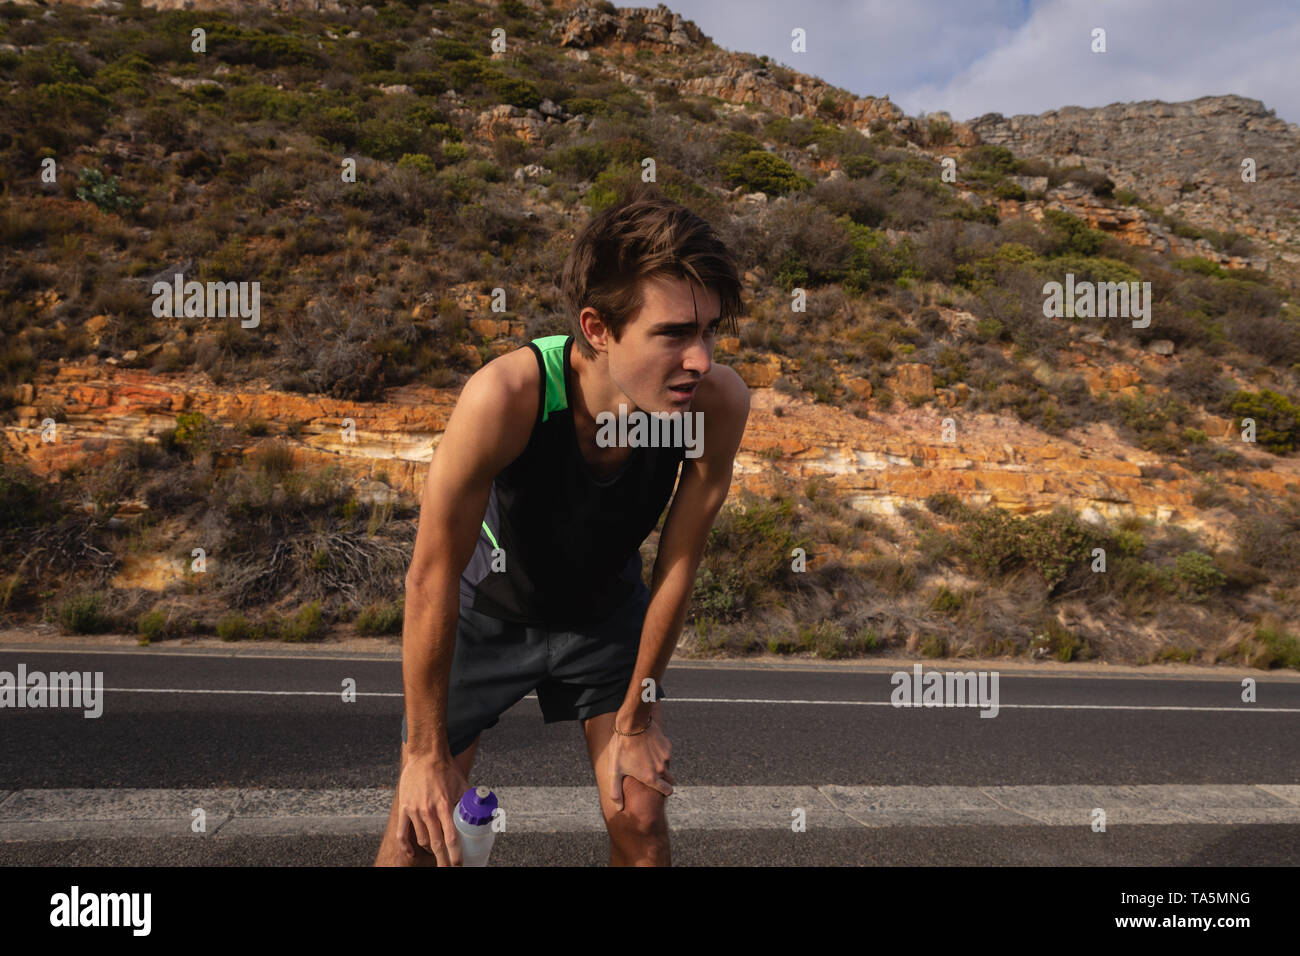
{"points": [[490, 535], [552, 349]]}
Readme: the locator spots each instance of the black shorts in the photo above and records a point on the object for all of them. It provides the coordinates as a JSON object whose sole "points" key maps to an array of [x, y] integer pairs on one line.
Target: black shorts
{"points": [[577, 674]]}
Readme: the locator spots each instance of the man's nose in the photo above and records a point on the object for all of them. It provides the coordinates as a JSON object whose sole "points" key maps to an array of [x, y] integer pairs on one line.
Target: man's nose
{"points": [[699, 357]]}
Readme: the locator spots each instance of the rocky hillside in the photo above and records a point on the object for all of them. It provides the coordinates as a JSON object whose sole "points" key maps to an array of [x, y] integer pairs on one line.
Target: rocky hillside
{"points": [[1186, 157], [919, 403]]}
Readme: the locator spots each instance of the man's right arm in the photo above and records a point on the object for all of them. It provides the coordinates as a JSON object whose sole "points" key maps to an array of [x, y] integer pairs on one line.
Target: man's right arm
{"points": [[488, 429]]}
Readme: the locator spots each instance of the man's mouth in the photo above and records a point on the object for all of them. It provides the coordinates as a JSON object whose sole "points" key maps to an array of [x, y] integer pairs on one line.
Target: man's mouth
{"points": [[684, 390]]}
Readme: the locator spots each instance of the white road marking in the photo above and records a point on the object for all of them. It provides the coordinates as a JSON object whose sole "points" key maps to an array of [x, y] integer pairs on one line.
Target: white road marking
{"points": [[27, 815], [1243, 708]]}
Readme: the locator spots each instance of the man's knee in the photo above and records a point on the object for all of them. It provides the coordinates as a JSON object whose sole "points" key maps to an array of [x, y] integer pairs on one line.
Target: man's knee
{"points": [[643, 815]]}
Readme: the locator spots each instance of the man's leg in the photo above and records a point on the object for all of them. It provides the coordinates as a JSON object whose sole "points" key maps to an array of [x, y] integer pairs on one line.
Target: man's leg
{"points": [[638, 834], [390, 851]]}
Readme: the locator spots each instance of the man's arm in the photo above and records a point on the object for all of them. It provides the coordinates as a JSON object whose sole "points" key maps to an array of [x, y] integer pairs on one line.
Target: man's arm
{"points": [[701, 490], [488, 429]]}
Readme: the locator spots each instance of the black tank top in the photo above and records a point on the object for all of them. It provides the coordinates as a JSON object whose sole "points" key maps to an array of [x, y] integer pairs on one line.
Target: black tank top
{"points": [[571, 543]]}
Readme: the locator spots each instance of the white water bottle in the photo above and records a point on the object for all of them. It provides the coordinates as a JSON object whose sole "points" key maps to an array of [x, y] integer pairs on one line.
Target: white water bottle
{"points": [[474, 824]]}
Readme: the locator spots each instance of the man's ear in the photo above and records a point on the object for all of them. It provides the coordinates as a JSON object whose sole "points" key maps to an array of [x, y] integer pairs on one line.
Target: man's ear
{"points": [[594, 327]]}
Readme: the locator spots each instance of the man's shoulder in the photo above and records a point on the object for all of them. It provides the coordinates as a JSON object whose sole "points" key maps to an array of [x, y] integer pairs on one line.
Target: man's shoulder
{"points": [[723, 391], [506, 390], [515, 372]]}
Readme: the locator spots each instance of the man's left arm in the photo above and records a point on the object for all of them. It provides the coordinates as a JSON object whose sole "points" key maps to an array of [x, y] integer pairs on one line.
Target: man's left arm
{"points": [[701, 490]]}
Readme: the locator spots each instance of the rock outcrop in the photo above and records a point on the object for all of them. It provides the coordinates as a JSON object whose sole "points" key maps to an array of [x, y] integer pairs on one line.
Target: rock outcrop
{"points": [[1185, 157]]}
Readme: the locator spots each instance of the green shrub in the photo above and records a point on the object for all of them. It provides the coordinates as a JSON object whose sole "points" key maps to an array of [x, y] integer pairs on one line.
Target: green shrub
{"points": [[933, 645], [455, 50], [798, 132], [124, 75], [396, 15], [103, 191], [67, 103], [259, 101], [334, 124], [1060, 642], [465, 74], [1009, 189], [990, 161], [946, 602], [777, 644], [987, 214], [1277, 648], [579, 162], [305, 625], [748, 553], [1054, 545], [859, 167], [513, 90], [385, 138], [194, 431], [865, 641], [270, 51], [381, 618], [761, 171], [733, 142], [84, 614], [874, 258], [1277, 421], [1197, 572], [1129, 543], [234, 627], [25, 500], [1071, 234], [584, 106], [827, 640], [1201, 266], [1140, 583], [420, 162], [150, 626], [1090, 268]]}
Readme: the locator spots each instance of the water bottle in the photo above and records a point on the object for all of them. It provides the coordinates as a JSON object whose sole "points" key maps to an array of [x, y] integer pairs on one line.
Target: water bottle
{"points": [[474, 824]]}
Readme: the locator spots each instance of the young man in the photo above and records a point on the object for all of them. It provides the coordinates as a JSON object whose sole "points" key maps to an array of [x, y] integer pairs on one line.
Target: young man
{"points": [[527, 571]]}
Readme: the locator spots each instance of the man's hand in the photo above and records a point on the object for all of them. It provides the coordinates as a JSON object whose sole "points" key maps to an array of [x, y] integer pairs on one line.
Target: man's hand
{"points": [[428, 790], [643, 756]]}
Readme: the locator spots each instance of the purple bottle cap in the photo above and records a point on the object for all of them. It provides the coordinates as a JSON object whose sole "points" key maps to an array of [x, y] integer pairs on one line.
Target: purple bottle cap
{"points": [[476, 806]]}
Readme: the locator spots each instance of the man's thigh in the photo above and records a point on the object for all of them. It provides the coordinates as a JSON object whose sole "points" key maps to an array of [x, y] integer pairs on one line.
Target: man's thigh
{"points": [[589, 669], [494, 665]]}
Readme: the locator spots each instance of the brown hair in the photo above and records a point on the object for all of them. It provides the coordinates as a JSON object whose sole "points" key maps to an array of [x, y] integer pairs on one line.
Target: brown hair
{"points": [[645, 236]]}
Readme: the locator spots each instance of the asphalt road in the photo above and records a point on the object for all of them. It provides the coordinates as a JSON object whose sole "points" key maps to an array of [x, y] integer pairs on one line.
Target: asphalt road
{"points": [[288, 772]]}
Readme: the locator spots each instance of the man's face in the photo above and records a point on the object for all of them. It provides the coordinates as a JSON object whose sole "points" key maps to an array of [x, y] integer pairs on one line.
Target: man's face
{"points": [[669, 342]]}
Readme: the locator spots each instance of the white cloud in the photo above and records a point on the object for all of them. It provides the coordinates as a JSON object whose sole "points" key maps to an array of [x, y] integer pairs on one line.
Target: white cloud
{"points": [[1164, 50], [979, 56]]}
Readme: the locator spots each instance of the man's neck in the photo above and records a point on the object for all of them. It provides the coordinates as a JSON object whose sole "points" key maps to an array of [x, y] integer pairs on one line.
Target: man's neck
{"points": [[594, 392]]}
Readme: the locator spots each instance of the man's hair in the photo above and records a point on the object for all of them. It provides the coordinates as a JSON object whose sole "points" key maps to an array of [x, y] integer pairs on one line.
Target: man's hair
{"points": [[645, 236]]}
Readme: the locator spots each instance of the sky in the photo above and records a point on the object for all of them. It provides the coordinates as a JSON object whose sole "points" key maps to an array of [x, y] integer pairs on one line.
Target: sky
{"points": [[970, 57]]}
